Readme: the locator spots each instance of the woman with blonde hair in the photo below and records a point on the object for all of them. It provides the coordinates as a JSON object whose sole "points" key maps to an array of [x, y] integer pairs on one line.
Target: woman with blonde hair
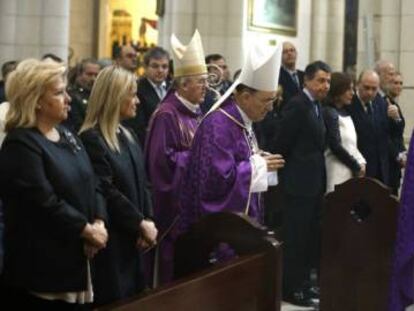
{"points": [[54, 217], [118, 162]]}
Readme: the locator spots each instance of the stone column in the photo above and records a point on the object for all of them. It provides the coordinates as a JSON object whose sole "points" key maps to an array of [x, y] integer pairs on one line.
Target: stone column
{"points": [[31, 28], [328, 32]]}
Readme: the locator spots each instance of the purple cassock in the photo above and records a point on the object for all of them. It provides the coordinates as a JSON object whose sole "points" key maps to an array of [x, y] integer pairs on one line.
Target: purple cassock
{"points": [[219, 171], [402, 279], [171, 131]]}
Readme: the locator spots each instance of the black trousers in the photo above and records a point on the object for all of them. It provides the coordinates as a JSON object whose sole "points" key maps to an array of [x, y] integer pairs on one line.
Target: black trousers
{"points": [[301, 240], [395, 176]]}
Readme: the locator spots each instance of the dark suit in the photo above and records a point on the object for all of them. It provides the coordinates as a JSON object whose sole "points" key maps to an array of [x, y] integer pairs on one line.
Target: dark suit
{"points": [[267, 129], [301, 141], [396, 147], [289, 86], [118, 268], [373, 136], [78, 104], [149, 101], [49, 191]]}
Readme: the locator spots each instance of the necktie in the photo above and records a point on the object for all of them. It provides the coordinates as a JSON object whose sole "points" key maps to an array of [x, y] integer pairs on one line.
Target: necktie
{"points": [[316, 107], [296, 79], [160, 91], [370, 111]]}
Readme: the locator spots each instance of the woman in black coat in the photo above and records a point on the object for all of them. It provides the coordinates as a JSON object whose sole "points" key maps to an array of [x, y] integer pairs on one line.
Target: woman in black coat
{"points": [[118, 162], [54, 219]]}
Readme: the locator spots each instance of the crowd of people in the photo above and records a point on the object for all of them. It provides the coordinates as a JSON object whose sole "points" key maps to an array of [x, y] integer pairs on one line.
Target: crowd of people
{"points": [[100, 171]]}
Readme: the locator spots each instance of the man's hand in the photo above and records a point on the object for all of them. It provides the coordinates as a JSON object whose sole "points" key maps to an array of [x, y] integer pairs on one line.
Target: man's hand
{"points": [[148, 233], [273, 161], [95, 234]]}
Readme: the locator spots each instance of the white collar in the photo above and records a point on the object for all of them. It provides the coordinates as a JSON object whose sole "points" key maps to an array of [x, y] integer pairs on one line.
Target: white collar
{"points": [[190, 106], [156, 86], [306, 91], [291, 72], [246, 120]]}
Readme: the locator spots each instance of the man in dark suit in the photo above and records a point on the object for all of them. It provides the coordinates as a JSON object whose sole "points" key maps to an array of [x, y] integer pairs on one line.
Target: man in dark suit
{"points": [[151, 89], [290, 79], [390, 87], [369, 113], [301, 141], [397, 147]]}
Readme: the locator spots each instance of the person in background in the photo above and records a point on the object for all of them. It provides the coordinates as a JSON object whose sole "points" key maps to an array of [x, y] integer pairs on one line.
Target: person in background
{"points": [[342, 157], [54, 214], [152, 89], [369, 114], [291, 78], [398, 151], [118, 162], [79, 91], [6, 68], [126, 57], [219, 80], [167, 148]]}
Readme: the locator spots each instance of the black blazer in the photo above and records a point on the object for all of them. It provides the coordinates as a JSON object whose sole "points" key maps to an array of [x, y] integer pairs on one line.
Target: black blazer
{"points": [[396, 133], [301, 141], [333, 137], [49, 191], [117, 269], [373, 136], [290, 88], [149, 101]]}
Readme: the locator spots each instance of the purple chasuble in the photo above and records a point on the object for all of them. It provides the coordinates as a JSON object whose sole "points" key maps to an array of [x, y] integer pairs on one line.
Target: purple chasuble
{"points": [[219, 171], [402, 278], [170, 133]]}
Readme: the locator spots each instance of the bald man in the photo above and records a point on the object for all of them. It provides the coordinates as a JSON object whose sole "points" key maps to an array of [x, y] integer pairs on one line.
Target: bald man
{"points": [[290, 79], [369, 114]]}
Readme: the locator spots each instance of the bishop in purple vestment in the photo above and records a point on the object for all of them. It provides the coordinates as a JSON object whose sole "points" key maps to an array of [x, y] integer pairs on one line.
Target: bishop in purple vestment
{"points": [[227, 171], [171, 131], [402, 279]]}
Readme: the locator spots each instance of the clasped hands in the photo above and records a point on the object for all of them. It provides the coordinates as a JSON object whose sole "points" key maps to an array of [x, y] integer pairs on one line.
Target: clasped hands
{"points": [[148, 235], [95, 236]]}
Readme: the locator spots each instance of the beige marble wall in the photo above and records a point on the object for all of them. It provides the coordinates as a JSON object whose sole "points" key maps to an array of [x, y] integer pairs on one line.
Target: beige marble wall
{"points": [[83, 35], [327, 35], [31, 28], [406, 63]]}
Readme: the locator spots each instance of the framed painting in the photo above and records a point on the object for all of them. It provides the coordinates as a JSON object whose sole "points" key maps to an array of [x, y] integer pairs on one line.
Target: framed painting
{"points": [[277, 16]]}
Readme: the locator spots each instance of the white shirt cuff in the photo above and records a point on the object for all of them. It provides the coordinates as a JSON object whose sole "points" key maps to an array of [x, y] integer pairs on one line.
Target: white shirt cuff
{"points": [[259, 174]]}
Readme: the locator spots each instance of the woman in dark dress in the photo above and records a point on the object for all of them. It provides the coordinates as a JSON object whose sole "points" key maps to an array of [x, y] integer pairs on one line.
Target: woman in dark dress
{"points": [[54, 219], [118, 162]]}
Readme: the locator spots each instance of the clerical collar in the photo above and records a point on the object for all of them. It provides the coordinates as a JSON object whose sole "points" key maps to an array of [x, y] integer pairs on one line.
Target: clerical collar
{"points": [[190, 106], [306, 91], [155, 86], [246, 120]]}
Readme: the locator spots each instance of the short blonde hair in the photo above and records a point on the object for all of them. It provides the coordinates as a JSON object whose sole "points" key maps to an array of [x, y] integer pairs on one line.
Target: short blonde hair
{"points": [[111, 88], [24, 87]]}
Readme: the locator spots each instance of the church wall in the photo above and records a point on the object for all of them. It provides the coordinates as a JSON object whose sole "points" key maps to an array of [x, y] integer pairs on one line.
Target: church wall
{"points": [[31, 28]]}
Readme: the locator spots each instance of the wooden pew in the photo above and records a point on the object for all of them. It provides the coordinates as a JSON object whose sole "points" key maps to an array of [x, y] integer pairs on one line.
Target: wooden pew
{"points": [[250, 282], [358, 233]]}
